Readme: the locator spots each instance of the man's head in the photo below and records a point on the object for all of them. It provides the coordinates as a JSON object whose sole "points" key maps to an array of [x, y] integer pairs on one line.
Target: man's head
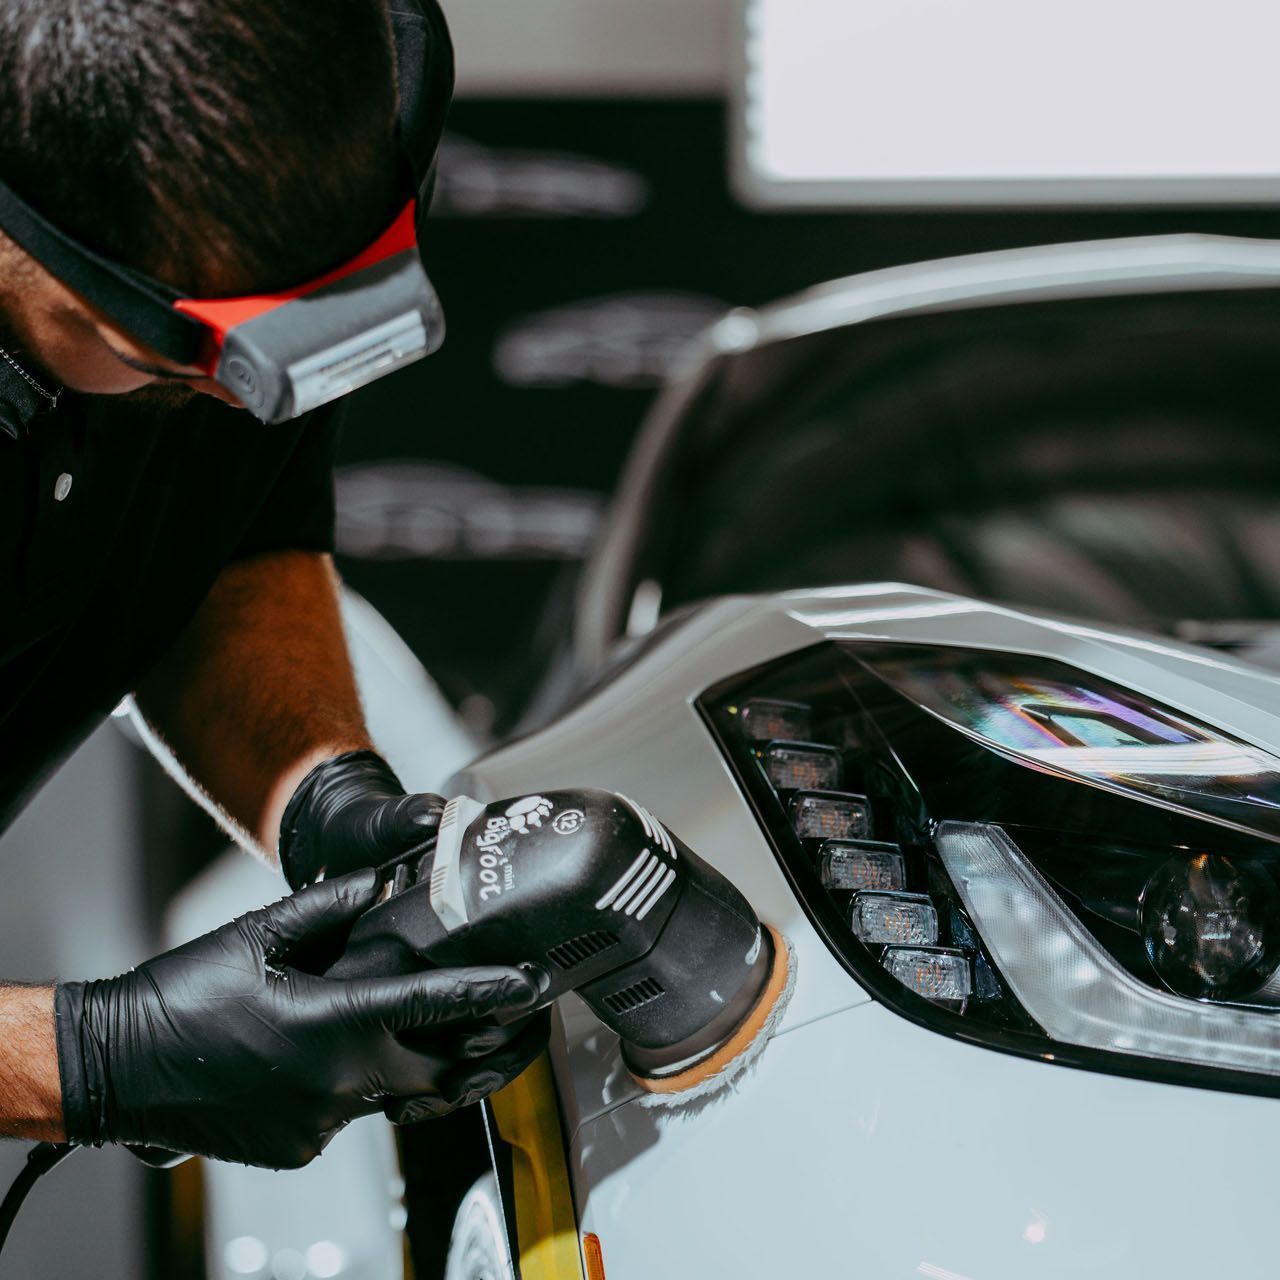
{"points": [[222, 146]]}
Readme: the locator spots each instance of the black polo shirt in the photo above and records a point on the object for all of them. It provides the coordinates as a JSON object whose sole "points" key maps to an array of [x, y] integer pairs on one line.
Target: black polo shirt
{"points": [[115, 519]]}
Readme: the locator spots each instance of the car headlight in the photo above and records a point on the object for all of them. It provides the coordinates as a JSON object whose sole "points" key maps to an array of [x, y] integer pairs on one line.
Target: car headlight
{"points": [[1010, 850]]}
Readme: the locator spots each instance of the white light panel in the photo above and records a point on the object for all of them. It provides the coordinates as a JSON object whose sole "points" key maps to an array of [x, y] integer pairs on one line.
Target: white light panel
{"points": [[1010, 101]]}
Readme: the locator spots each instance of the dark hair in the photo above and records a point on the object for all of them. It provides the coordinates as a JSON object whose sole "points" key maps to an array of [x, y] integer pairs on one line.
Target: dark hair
{"points": [[220, 145]]}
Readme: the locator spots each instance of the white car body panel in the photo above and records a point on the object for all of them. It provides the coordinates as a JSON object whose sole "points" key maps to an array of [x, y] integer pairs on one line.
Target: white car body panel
{"points": [[865, 1146]]}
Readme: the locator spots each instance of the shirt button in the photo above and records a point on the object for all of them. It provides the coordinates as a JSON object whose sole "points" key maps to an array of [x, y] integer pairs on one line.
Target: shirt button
{"points": [[61, 487]]}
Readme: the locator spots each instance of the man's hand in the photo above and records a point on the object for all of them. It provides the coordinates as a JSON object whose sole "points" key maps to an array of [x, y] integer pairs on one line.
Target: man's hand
{"points": [[225, 1048], [352, 812]]}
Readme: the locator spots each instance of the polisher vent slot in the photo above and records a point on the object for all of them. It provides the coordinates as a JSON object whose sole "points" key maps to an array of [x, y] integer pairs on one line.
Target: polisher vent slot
{"points": [[634, 996], [438, 878], [568, 954]]}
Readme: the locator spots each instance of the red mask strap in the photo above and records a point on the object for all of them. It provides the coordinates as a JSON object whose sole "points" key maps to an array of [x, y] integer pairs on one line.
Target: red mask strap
{"points": [[220, 315]]}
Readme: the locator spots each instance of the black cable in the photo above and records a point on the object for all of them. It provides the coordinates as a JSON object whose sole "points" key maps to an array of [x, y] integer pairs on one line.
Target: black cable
{"points": [[40, 1159]]}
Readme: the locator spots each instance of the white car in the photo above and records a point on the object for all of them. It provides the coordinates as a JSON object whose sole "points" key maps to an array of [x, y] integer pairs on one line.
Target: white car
{"points": [[1027, 864], [1028, 870]]}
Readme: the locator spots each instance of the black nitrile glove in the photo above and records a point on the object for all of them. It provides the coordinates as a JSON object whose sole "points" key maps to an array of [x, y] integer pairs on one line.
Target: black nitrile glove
{"points": [[351, 812], [224, 1048]]}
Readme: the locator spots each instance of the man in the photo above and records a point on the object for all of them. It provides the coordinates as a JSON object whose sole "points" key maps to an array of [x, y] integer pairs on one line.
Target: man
{"points": [[153, 539]]}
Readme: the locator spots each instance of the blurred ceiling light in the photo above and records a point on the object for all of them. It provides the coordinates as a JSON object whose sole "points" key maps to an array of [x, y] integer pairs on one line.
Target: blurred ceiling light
{"points": [[851, 102]]}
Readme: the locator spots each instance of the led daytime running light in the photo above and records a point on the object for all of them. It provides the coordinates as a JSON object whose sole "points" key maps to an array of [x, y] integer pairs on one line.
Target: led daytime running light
{"points": [[1068, 982]]}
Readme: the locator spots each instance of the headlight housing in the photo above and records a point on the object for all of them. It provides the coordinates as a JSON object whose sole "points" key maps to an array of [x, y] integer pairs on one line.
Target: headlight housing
{"points": [[1012, 851]]}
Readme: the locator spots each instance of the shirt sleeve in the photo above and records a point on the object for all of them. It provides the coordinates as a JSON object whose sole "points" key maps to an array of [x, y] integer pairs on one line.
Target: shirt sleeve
{"points": [[298, 512]]}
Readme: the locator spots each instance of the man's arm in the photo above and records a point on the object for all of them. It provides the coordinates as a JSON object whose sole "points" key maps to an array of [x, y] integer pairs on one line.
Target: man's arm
{"points": [[30, 1093], [258, 689]]}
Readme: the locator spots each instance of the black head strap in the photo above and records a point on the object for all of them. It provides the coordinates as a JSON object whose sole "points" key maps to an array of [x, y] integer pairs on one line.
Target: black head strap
{"points": [[141, 305], [424, 71]]}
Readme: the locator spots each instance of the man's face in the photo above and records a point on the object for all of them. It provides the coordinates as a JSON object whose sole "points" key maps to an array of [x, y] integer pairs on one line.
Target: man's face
{"points": [[80, 347]]}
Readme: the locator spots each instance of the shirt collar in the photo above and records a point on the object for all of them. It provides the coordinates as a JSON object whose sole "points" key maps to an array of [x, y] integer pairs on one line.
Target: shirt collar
{"points": [[22, 396]]}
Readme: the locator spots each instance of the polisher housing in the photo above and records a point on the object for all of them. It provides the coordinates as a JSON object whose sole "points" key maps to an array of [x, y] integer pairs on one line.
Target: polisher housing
{"points": [[593, 888]]}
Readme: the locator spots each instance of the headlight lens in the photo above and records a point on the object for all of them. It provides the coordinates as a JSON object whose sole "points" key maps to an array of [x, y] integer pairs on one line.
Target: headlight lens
{"points": [[845, 866], [894, 918], [1073, 987], [1047, 717], [1209, 924], [938, 975], [1013, 851], [802, 766]]}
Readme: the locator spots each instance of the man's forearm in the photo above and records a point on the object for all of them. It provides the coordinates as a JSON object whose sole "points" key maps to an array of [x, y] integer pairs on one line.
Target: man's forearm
{"points": [[30, 1091], [259, 688]]}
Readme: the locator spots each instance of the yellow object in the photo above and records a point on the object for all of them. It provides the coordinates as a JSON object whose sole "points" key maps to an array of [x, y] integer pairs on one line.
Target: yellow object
{"points": [[528, 1120]]}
